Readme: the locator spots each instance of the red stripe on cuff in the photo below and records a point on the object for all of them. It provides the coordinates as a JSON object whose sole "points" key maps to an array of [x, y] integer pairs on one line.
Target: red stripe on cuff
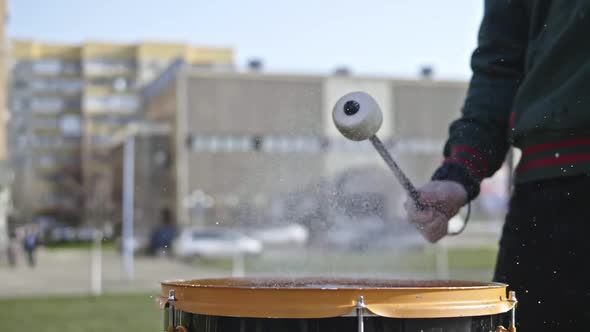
{"points": [[474, 170], [475, 153]]}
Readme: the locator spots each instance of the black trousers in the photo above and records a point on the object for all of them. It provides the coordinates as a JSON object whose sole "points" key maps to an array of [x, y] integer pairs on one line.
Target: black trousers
{"points": [[545, 254]]}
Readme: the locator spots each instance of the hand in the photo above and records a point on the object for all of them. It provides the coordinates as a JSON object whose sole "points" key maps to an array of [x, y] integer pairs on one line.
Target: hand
{"points": [[443, 200]]}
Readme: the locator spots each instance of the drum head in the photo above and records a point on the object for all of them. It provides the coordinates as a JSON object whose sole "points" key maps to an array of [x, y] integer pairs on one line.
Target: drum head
{"points": [[330, 297]]}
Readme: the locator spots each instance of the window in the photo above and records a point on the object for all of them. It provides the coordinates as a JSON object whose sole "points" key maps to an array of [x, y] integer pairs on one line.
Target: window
{"points": [[121, 84], [47, 67], [19, 104], [47, 160], [47, 104], [71, 125]]}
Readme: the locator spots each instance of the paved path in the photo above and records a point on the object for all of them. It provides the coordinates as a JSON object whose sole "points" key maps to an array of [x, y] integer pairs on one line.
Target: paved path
{"points": [[63, 272], [69, 272]]}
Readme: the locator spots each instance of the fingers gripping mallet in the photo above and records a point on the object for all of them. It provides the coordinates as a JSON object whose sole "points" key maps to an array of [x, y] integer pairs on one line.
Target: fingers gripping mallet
{"points": [[358, 117]]}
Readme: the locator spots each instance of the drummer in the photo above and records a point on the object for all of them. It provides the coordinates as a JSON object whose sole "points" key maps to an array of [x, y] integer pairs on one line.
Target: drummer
{"points": [[530, 89]]}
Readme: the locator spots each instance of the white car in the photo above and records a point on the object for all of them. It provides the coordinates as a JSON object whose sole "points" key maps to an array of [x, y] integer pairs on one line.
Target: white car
{"points": [[214, 243], [281, 235]]}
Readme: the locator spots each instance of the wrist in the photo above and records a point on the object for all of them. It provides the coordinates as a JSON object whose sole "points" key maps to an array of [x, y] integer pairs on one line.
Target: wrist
{"points": [[458, 173]]}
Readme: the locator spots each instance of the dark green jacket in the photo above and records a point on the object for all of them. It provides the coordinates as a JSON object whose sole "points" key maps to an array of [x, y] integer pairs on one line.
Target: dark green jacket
{"points": [[530, 89]]}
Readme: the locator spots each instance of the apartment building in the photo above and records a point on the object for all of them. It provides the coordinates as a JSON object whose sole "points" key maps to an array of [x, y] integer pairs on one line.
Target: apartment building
{"points": [[66, 101]]}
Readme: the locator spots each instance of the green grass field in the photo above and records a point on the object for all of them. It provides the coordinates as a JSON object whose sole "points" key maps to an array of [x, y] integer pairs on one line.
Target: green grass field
{"points": [[74, 314], [139, 312], [461, 260]]}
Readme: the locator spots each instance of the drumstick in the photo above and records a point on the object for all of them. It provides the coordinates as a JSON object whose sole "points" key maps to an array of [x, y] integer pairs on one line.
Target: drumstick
{"points": [[358, 117], [399, 174]]}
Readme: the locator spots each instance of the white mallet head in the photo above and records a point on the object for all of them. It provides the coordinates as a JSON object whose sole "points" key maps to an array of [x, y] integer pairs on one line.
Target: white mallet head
{"points": [[357, 116]]}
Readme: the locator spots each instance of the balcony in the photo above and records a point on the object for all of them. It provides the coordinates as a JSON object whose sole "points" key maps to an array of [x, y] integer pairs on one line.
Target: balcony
{"points": [[112, 104], [62, 86], [45, 124], [57, 161], [55, 142], [53, 105], [57, 200], [55, 67], [109, 67], [101, 86]]}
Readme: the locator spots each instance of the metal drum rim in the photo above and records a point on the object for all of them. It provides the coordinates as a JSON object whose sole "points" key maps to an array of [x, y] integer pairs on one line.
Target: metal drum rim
{"points": [[206, 283], [211, 297]]}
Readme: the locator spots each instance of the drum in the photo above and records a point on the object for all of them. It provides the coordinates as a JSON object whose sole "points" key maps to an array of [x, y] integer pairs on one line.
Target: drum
{"points": [[335, 305]]}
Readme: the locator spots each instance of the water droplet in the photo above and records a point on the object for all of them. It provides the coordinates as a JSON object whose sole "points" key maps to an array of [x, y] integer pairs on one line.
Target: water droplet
{"points": [[554, 272], [217, 223], [557, 155], [517, 263], [539, 302], [526, 291]]}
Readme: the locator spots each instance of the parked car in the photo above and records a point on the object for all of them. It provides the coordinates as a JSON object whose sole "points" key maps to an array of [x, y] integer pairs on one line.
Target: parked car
{"points": [[289, 234], [353, 234], [214, 243]]}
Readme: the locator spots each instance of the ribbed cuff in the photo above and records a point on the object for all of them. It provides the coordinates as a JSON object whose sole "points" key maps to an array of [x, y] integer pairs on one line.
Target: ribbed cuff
{"points": [[458, 173]]}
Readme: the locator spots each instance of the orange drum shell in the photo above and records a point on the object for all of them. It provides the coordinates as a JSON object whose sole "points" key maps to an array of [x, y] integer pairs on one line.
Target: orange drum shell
{"points": [[257, 298]]}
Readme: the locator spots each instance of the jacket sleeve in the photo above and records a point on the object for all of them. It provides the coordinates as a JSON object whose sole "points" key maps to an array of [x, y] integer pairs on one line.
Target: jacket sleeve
{"points": [[478, 142]]}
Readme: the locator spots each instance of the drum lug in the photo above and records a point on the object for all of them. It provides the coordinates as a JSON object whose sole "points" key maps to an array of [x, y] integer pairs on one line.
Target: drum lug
{"points": [[360, 308], [512, 298], [174, 324], [512, 327]]}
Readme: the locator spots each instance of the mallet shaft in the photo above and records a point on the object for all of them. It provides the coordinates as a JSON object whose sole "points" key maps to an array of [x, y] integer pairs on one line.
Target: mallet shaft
{"points": [[399, 174]]}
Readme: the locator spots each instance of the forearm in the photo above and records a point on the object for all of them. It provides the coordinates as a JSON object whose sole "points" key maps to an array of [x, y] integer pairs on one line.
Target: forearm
{"points": [[478, 140]]}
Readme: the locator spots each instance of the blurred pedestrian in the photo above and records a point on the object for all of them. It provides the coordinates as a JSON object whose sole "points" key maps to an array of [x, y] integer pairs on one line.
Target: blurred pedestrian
{"points": [[30, 243]]}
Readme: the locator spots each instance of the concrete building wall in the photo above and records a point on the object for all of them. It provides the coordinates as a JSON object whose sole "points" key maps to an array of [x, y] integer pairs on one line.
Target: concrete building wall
{"points": [[154, 190], [264, 117], [255, 104], [424, 108]]}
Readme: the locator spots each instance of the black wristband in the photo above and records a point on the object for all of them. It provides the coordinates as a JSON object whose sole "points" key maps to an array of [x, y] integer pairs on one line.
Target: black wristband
{"points": [[458, 173]]}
